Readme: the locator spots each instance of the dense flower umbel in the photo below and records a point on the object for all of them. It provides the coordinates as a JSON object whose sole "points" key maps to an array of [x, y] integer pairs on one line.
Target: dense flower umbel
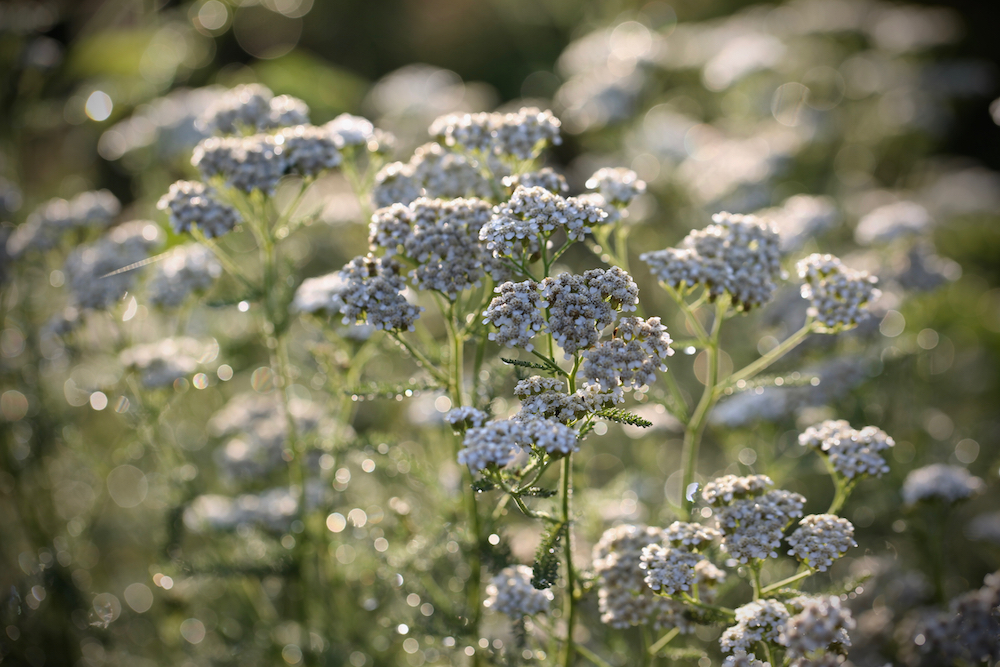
{"points": [[838, 296], [510, 592], [373, 294], [725, 490], [534, 211], [187, 269], [521, 135], [543, 178], [752, 520], [466, 417], [690, 536], [252, 108], [743, 659], [356, 132], [308, 150], [669, 570], [47, 224], [499, 441], [161, 363], [617, 186], [970, 630], [737, 254], [623, 598], [760, 620], [852, 453], [631, 358], [193, 203], [89, 267], [581, 306], [939, 481], [517, 314], [821, 539], [819, 624], [433, 171], [565, 408], [244, 163]]}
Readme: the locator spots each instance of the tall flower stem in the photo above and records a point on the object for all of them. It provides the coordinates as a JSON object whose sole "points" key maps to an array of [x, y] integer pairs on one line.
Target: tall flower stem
{"points": [[761, 364], [565, 491], [696, 425]]}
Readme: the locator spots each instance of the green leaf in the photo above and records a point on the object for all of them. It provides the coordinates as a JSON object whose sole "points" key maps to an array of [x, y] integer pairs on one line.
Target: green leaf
{"points": [[525, 364], [391, 390], [482, 484], [538, 492], [545, 570], [623, 417]]}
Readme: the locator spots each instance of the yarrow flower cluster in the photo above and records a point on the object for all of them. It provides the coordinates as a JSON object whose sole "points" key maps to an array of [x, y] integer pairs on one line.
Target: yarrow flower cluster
{"points": [[498, 442], [581, 306], [623, 597], [244, 163], [751, 519], [252, 107], [821, 539], [510, 592], [161, 363], [838, 296], [517, 314], [739, 255], [520, 135], [194, 203], [970, 629], [373, 295], [891, 221], [187, 269], [433, 171], [351, 132], [441, 237], [743, 659], [545, 177], [757, 621], [617, 186], [819, 624], [852, 453], [940, 481], [669, 570], [562, 407], [466, 417], [631, 358], [535, 211], [93, 271], [47, 224]]}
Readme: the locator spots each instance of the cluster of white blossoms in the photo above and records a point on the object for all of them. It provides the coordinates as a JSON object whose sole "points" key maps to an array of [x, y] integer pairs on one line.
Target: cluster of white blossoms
{"points": [[441, 237], [757, 621], [433, 171], [969, 632], [580, 307], [623, 597], [521, 134], [821, 539], [320, 295], [739, 255], [88, 266], [353, 132], [498, 442], [562, 407], [532, 212], [252, 108], [536, 384], [373, 295], [466, 417], [187, 269], [47, 224], [510, 592], [819, 624], [161, 363], [674, 569], [518, 314], [546, 177], [617, 186], [308, 150], [244, 163], [838, 295], [892, 221], [194, 203], [744, 659], [752, 519], [631, 358], [940, 481], [852, 453]]}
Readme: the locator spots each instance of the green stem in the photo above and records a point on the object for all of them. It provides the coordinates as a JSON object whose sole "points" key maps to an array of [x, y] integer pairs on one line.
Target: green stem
{"points": [[755, 578], [725, 611], [663, 641], [784, 582], [422, 359], [761, 364], [566, 489], [696, 426], [593, 657]]}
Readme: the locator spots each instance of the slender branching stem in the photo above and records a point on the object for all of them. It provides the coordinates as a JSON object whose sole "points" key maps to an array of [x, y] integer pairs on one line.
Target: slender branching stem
{"points": [[565, 490], [798, 576], [774, 355], [663, 641]]}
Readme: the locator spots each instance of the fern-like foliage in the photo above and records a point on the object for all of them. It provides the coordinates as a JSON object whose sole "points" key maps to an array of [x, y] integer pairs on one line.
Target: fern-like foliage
{"points": [[545, 570], [393, 390], [623, 417], [525, 364]]}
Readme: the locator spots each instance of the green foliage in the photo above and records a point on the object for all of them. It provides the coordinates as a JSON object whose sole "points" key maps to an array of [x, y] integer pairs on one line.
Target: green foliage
{"points": [[620, 416], [545, 570]]}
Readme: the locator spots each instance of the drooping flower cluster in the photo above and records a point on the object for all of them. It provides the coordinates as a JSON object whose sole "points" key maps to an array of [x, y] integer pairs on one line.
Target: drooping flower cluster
{"points": [[852, 453], [940, 481], [161, 363], [441, 237], [194, 203], [739, 255], [92, 270], [498, 442], [623, 597], [252, 108], [751, 519], [535, 211], [373, 294], [821, 539], [510, 592], [187, 269], [521, 135], [631, 358], [838, 296], [47, 224]]}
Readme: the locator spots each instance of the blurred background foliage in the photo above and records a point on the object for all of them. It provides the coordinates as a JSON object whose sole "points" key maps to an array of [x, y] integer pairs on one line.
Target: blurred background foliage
{"points": [[90, 91]]}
